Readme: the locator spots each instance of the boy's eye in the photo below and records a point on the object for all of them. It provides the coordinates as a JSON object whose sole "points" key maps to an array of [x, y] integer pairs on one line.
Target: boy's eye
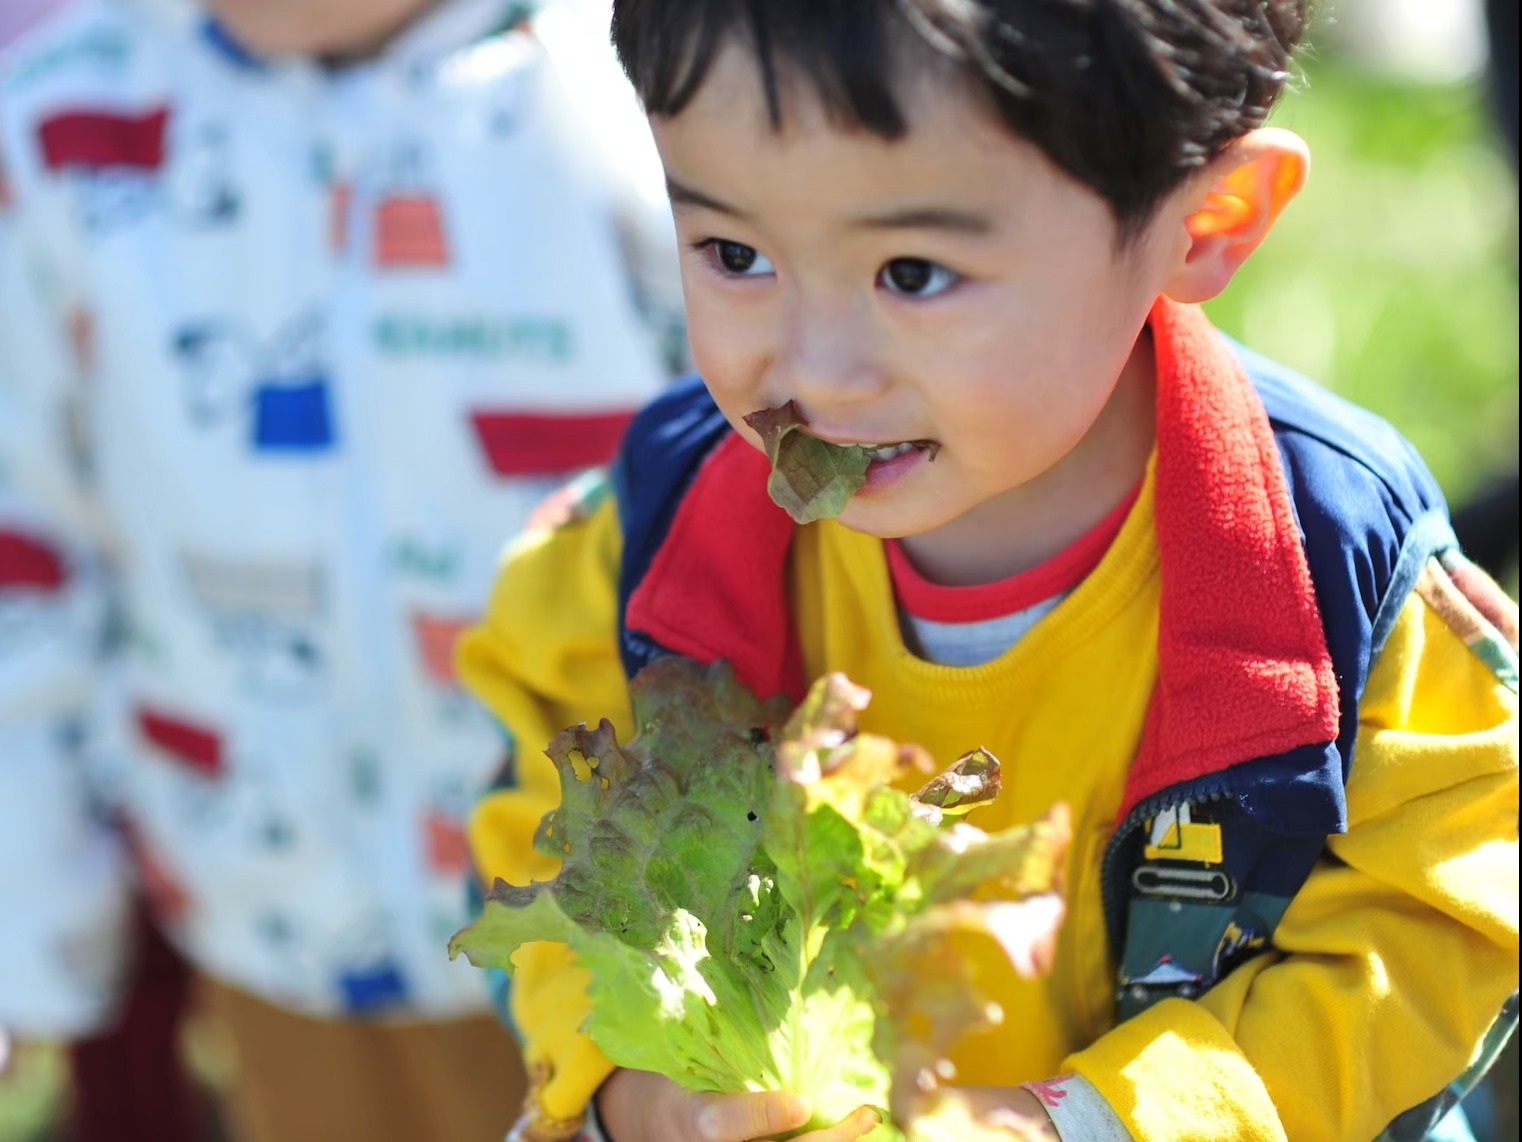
{"points": [[740, 259], [916, 277]]}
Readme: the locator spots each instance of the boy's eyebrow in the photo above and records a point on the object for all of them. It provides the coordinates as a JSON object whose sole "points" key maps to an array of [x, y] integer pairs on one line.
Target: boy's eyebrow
{"points": [[927, 218], [912, 218], [681, 195]]}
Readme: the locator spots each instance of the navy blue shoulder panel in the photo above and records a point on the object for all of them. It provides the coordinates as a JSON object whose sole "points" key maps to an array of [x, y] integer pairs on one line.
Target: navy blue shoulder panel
{"points": [[1369, 512], [662, 450]]}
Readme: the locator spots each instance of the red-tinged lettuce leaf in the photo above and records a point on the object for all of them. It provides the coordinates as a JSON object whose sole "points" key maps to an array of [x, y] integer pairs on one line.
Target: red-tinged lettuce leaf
{"points": [[660, 872], [811, 479], [974, 781], [675, 817]]}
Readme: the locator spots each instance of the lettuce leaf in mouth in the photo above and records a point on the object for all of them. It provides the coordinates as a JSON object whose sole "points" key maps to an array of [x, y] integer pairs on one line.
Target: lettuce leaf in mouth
{"points": [[811, 479], [760, 906]]}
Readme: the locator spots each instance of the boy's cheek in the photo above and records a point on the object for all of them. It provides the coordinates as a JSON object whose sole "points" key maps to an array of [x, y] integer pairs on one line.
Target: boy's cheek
{"points": [[731, 359]]}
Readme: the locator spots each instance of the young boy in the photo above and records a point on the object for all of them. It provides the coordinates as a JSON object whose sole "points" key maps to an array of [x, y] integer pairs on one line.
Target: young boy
{"points": [[1211, 607], [302, 302]]}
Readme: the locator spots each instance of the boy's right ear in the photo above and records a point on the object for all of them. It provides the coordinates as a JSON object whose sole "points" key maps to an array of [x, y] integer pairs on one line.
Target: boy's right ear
{"points": [[1239, 198]]}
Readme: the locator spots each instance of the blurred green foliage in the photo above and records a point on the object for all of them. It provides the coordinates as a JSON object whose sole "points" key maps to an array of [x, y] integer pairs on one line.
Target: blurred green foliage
{"points": [[1392, 278], [29, 1094]]}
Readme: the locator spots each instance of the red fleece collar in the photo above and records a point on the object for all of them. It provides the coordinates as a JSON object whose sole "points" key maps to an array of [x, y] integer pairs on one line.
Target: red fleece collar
{"points": [[1243, 667], [718, 586]]}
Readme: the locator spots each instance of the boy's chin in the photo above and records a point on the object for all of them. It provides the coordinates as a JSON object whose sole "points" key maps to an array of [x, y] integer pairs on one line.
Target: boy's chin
{"points": [[267, 38], [870, 519], [273, 28]]}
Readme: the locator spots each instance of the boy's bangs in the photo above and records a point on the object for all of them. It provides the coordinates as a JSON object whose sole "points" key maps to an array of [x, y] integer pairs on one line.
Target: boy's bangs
{"points": [[845, 50], [1127, 96]]}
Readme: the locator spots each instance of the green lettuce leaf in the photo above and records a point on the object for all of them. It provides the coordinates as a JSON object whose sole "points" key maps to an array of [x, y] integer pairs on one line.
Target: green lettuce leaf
{"points": [[762, 907], [811, 479]]}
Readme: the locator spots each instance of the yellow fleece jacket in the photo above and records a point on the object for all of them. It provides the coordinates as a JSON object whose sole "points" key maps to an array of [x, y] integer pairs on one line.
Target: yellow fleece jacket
{"points": [[1387, 968]]}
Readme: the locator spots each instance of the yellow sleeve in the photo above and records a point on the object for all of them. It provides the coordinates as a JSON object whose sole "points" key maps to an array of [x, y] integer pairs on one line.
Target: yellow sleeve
{"points": [[1396, 956], [544, 658]]}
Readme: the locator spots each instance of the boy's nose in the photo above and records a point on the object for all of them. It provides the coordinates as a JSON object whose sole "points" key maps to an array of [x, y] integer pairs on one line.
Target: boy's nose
{"points": [[830, 358]]}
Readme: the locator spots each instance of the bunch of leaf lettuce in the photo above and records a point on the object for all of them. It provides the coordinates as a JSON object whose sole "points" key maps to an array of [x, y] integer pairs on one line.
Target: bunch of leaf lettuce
{"points": [[762, 908]]}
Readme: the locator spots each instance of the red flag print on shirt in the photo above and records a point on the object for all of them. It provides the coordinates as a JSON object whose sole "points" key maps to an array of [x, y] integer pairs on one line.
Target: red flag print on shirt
{"points": [[548, 444], [94, 139], [435, 637], [448, 850], [194, 746], [409, 232], [28, 563]]}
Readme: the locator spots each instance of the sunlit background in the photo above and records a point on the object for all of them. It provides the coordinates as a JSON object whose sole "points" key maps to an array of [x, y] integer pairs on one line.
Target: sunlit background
{"points": [[1393, 279]]}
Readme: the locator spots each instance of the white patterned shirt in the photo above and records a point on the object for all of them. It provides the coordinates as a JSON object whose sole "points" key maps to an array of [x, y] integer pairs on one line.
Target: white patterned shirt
{"points": [[285, 356]]}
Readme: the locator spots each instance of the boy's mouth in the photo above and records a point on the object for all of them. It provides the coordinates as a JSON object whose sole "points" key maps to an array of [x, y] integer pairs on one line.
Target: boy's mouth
{"points": [[881, 453], [813, 478]]}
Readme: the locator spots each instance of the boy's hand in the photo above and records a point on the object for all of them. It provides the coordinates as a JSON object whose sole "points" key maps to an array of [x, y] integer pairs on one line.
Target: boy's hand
{"points": [[987, 1114], [641, 1106]]}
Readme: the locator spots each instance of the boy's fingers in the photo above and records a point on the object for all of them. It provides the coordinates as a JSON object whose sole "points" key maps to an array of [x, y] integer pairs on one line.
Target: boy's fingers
{"points": [[861, 1122], [743, 1117]]}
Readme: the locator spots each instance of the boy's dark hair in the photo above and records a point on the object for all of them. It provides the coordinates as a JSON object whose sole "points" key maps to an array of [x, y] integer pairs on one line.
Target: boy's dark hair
{"points": [[1127, 96]]}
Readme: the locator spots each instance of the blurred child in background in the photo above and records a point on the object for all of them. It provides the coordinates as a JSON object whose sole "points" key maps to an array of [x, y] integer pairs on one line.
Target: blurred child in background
{"points": [[303, 305]]}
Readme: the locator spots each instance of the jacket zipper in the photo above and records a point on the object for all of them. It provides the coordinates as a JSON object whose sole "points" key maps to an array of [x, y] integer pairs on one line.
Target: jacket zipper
{"points": [[1214, 787]]}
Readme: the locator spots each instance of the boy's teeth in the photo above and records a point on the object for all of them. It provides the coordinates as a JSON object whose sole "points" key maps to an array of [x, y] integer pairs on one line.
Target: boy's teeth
{"points": [[888, 451]]}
